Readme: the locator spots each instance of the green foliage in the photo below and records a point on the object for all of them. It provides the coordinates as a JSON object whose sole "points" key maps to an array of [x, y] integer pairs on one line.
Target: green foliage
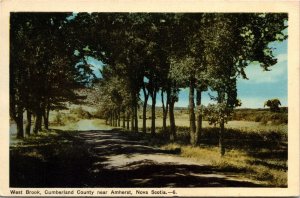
{"points": [[99, 114], [261, 115], [215, 112], [153, 51], [58, 119], [81, 113], [273, 104], [44, 72]]}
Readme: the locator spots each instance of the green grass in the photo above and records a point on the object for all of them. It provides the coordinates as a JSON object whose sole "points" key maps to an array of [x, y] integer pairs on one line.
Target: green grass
{"points": [[252, 155], [237, 161], [256, 152], [263, 116]]}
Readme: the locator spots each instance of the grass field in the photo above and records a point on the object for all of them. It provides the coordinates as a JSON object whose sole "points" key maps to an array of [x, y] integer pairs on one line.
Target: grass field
{"points": [[257, 149], [183, 121]]}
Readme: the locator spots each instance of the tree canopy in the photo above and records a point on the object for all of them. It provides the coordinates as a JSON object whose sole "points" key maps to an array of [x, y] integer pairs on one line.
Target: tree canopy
{"points": [[140, 51]]}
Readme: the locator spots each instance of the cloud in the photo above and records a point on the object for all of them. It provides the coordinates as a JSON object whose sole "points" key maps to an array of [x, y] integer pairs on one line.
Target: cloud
{"points": [[257, 75]]}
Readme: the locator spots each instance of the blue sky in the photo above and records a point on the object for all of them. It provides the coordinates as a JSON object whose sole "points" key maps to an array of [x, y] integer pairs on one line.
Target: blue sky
{"points": [[261, 86]]}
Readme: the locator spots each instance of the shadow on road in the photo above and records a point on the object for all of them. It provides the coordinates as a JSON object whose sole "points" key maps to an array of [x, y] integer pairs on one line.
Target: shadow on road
{"points": [[111, 159], [122, 161]]}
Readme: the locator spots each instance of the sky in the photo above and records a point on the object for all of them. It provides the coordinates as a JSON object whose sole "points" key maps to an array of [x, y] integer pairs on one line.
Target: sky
{"points": [[261, 86]]}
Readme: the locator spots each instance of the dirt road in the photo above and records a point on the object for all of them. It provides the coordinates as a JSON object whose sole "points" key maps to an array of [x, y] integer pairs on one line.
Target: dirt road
{"points": [[114, 159], [125, 161]]}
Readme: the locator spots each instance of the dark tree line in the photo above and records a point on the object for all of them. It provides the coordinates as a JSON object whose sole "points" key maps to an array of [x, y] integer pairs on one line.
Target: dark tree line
{"points": [[146, 53], [43, 75]]}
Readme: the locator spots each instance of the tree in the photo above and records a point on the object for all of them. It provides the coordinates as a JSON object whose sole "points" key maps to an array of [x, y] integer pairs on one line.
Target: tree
{"points": [[188, 67], [173, 51], [234, 45], [42, 71], [273, 104]]}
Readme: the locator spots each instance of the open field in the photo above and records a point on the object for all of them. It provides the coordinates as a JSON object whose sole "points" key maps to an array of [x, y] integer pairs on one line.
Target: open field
{"points": [[234, 124]]}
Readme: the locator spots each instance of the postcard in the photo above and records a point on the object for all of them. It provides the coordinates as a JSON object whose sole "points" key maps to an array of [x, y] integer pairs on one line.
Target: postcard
{"points": [[149, 98]]}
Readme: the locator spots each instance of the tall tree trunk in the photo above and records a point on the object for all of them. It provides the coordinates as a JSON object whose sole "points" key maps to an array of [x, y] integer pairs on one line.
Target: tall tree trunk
{"points": [[114, 118], [199, 116], [124, 117], [20, 130], [128, 120], [19, 122], [136, 121], [145, 117], [48, 113], [46, 117], [153, 96], [221, 137], [132, 118], [28, 124], [165, 110], [38, 122], [119, 118], [221, 98], [192, 112], [110, 118], [172, 120], [146, 96]]}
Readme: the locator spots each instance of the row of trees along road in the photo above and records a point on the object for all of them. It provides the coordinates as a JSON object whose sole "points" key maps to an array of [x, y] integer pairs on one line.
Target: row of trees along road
{"points": [[42, 72], [148, 52]]}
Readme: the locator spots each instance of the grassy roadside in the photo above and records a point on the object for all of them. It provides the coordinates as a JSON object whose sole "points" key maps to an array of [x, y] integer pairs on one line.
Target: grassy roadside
{"points": [[50, 159], [254, 150], [272, 172], [259, 155]]}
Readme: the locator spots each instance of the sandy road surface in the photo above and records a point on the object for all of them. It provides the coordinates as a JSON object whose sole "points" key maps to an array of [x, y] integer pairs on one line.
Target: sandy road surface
{"points": [[124, 161]]}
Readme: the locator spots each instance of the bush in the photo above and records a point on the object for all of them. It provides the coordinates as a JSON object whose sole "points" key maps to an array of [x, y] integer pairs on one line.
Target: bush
{"points": [[81, 113], [58, 119], [258, 118], [99, 114], [279, 118]]}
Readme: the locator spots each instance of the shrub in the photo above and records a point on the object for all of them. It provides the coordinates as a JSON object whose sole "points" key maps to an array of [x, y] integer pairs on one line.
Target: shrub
{"points": [[258, 118], [58, 119], [262, 115], [99, 114], [81, 113]]}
